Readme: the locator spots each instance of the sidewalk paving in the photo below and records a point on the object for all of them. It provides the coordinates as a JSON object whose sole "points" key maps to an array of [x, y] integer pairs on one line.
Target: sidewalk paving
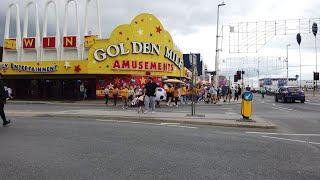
{"points": [[162, 117], [99, 102]]}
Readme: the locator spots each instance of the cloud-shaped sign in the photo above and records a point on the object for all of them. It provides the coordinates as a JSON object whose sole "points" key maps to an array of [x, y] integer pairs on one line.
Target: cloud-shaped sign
{"points": [[144, 39]]}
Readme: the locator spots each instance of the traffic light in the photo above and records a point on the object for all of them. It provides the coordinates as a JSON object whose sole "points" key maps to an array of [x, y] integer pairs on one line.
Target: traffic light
{"points": [[316, 76], [235, 78], [239, 75]]}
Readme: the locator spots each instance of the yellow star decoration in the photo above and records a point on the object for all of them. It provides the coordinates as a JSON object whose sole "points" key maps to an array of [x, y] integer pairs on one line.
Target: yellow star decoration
{"points": [[117, 81], [143, 80]]}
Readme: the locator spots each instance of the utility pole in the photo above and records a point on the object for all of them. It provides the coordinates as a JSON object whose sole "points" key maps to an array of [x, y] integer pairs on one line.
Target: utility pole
{"points": [[217, 48], [315, 31], [258, 72], [287, 61]]}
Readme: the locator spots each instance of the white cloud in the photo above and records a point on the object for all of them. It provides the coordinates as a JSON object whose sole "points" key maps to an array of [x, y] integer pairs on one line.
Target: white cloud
{"points": [[192, 23]]}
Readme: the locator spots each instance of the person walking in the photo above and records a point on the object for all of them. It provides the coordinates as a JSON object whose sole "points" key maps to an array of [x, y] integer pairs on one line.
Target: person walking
{"points": [[176, 95], [82, 91], [150, 96], [10, 93], [233, 91], [183, 94], [236, 94], [125, 94], [262, 91], [224, 92], [115, 94], [230, 92], [215, 92], [3, 98], [106, 94], [239, 91], [169, 92]]}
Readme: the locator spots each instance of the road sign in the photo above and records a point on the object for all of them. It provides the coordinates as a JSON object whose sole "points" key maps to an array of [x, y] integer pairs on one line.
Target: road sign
{"points": [[248, 96]]}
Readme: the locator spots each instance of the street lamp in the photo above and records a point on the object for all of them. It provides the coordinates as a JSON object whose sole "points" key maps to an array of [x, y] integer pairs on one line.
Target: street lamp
{"points": [[217, 48], [287, 61]]}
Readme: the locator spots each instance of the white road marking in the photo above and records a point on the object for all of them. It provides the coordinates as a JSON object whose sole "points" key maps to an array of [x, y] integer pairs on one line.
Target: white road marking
{"points": [[282, 134], [293, 140], [169, 123], [231, 113], [189, 127], [280, 108], [146, 123]]}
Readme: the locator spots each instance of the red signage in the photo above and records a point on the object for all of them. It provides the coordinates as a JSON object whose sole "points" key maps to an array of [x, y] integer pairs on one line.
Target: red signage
{"points": [[142, 65], [69, 41], [49, 42], [29, 43]]}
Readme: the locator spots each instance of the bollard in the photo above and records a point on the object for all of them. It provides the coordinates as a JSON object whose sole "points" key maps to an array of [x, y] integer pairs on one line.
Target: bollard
{"points": [[246, 105]]}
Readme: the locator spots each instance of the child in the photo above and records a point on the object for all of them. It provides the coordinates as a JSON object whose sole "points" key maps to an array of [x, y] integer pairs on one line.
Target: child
{"points": [[176, 95], [140, 100]]}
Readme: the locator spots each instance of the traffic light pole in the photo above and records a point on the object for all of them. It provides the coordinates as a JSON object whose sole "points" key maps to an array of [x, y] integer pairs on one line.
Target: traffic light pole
{"points": [[316, 82], [193, 105]]}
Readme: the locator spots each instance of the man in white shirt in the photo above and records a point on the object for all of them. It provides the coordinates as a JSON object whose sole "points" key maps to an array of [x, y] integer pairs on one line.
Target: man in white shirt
{"points": [[106, 95]]}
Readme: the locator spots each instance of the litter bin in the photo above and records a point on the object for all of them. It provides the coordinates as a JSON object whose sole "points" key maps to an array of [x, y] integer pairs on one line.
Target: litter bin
{"points": [[246, 105]]}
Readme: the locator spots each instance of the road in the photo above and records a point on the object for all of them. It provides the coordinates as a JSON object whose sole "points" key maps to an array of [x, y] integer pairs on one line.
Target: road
{"points": [[70, 148]]}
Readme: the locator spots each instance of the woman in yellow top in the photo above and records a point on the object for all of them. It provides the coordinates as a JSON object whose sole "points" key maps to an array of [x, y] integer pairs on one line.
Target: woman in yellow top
{"points": [[124, 92], [115, 93], [198, 92], [176, 95], [169, 92], [183, 94]]}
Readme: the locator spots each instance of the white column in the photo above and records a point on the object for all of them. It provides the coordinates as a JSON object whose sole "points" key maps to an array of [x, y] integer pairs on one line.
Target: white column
{"points": [[45, 28], [65, 29], [7, 33], [25, 29]]}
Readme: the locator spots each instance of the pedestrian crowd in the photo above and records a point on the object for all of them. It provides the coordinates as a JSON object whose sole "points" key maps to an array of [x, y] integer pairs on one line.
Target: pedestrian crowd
{"points": [[147, 97]]}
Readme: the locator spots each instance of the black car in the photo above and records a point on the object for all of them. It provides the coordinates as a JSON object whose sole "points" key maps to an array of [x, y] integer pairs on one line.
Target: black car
{"points": [[290, 94]]}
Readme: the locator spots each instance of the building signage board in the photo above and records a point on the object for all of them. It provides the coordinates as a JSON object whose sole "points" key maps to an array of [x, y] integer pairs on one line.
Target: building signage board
{"points": [[49, 42], [69, 41], [26, 68], [29, 43], [9, 44]]}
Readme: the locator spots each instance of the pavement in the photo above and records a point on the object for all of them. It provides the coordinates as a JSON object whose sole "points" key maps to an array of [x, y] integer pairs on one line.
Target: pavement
{"points": [[37, 148], [50, 141], [178, 116]]}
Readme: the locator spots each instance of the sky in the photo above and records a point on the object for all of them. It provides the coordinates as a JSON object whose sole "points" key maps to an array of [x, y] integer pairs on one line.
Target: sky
{"points": [[192, 24]]}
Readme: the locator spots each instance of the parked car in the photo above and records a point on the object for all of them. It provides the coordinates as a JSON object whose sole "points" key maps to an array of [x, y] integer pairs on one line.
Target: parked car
{"points": [[290, 94]]}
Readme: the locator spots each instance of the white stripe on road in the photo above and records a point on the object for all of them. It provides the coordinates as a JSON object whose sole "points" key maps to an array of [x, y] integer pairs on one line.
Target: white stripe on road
{"points": [[145, 123], [189, 127], [293, 140], [283, 108], [169, 123], [282, 134]]}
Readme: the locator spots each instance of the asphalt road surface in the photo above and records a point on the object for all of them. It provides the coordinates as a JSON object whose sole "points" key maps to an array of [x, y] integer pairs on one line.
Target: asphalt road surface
{"points": [[69, 148]]}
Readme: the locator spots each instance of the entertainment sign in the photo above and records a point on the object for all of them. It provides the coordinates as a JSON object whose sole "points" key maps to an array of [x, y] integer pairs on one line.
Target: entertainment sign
{"points": [[19, 67]]}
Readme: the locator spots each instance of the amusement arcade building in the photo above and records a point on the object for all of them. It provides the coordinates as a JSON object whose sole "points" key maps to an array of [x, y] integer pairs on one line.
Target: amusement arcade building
{"points": [[53, 67]]}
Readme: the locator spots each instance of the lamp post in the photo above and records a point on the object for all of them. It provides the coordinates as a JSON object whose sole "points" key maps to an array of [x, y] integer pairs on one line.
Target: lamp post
{"points": [[217, 48], [299, 42], [287, 61]]}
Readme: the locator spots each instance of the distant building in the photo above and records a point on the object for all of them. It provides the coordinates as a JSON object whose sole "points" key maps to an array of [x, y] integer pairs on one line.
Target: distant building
{"points": [[1, 53], [274, 83], [198, 63]]}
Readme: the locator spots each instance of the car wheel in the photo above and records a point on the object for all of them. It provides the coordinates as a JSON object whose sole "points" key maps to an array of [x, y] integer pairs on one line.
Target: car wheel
{"points": [[302, 101], [276, 99]]}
